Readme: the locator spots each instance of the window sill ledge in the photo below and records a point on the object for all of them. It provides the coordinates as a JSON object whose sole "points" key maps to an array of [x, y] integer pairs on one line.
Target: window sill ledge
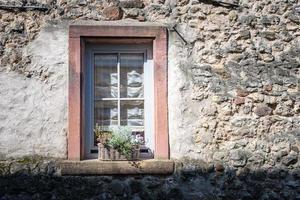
{"points": [[96, 167]]}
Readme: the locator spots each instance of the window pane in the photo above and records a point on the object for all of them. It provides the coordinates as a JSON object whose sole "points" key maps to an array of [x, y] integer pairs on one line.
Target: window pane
{"points": [[132, 75], [106, 113], [106, 75], [132, 113]]}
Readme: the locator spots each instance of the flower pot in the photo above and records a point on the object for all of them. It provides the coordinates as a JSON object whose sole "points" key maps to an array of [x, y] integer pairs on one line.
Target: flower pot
{"points": [[112, 154], [136, 153], [105, 153], [101, 151], [122, 157], [117, 155]]}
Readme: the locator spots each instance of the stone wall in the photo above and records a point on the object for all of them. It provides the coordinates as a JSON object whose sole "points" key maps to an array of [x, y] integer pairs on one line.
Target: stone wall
{"points": [[36, 178], [233, 85]]}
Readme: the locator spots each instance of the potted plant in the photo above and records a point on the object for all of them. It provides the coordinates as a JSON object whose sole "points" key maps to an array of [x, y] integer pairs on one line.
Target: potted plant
{"points": [[136, 141], [102, 136], [117, 143]]}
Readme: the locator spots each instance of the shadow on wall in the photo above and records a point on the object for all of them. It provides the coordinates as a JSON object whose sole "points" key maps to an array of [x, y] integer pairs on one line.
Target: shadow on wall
{"points": [[190, 181]]}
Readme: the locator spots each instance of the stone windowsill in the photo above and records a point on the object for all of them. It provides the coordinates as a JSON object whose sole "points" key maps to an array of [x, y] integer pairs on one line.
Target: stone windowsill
{"points": [[96, 167]]}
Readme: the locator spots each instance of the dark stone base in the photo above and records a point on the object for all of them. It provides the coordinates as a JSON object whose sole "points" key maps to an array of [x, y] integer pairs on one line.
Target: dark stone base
{"points": [[37, 178], [186, 185]]}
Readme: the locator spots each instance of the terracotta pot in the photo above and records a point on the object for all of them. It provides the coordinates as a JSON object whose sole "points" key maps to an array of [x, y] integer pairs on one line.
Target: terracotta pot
{"points": [[107, 154], [101, 151], [122, 157], [113, 154], [136, 153], [117, 155]]}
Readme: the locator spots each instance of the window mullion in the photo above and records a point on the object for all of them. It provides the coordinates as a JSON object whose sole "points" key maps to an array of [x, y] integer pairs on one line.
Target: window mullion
{"points": [[119, 91]]}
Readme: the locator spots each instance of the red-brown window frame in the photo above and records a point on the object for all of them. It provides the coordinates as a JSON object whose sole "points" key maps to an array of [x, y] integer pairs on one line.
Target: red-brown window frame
{"points": [[77, 35]]}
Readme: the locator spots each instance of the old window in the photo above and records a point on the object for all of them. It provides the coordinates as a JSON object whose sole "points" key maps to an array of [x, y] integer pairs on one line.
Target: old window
{"points": [[119, 92], [117, 76]]}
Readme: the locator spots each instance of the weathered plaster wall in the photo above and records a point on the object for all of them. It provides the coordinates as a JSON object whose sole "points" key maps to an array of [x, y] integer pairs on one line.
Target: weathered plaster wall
{"points": [[34, 110], [233, 88]]}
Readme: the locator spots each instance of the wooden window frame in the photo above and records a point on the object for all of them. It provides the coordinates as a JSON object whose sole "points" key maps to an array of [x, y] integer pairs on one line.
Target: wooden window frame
{"points": [[78, 34], [94, 46]]}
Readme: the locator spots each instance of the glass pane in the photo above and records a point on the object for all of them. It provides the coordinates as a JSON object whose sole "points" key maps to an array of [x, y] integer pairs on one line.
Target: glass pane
{"points": [[132, 75], [132, 113], [106, 75], [106, 113]]}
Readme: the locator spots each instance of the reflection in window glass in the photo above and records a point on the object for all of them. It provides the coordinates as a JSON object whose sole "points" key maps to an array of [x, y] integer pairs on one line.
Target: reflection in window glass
{"points": [[106, 113], [132, 75], [132, 113], [106, 75], [110, 107]]}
